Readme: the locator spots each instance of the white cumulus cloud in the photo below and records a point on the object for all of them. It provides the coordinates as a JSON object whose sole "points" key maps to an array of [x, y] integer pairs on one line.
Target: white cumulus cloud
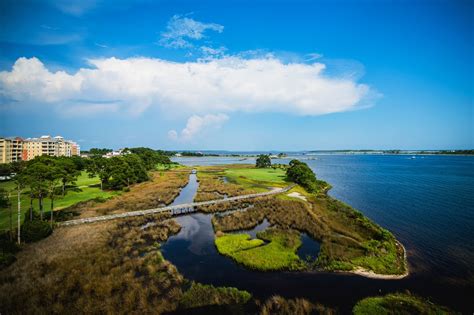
{"points": [[197, 124], [221, 85]]}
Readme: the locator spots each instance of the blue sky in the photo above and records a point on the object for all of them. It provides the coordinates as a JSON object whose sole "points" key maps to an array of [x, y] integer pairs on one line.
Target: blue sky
{"points": [[239, 75]]}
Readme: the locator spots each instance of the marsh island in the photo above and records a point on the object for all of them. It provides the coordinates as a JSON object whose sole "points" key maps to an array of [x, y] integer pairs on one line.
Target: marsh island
{"points": [[348, 240]]}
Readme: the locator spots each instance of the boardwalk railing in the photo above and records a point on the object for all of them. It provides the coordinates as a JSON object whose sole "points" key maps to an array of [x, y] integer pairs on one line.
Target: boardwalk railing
{"points": [[174, 210]]}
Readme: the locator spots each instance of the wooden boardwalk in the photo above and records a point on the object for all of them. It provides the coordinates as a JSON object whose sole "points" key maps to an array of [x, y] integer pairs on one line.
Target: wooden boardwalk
{"points": [[173, 210]]}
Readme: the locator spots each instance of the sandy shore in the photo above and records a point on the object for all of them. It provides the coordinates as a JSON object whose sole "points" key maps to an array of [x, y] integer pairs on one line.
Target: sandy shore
{"points": [[296, 194]]}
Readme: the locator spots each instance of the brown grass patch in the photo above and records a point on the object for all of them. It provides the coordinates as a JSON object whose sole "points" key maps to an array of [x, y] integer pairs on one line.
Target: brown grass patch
{"points": [[160, 190], [99, 268], [212, 186]]}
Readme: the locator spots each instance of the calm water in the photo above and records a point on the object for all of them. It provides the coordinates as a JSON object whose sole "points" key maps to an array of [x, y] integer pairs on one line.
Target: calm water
{"points": [[427, 202]]}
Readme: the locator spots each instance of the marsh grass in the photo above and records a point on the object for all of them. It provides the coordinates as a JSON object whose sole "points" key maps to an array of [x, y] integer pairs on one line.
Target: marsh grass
{"points": [[398, 303], [211, 186], [199, 295], [100, 268], [160, 190], [274, 249], [348, 239], [112, 267], [278, 305]]}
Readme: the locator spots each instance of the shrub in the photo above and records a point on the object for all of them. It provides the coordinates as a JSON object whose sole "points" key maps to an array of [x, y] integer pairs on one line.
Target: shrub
{"points": [[6, 259], [8, 249], [32, 231], [263, 161], [301, 174]]}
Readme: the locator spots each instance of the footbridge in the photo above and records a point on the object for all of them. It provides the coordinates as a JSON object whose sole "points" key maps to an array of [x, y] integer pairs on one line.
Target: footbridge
{"points": [[174, 210]]}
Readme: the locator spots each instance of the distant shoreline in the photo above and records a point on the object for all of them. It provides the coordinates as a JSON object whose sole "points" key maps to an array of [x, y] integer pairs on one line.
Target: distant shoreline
{"points": [[323, 154]]}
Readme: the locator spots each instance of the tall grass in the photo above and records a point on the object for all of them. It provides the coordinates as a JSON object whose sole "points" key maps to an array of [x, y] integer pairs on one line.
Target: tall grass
{"points": [[199, 295], [278, 305], [160, 190], [112, 267], [100, 268], [398, 303], [348, 239], [212, 186]]}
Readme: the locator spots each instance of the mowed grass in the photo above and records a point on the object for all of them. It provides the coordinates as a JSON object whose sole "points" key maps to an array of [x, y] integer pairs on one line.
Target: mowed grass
{"points": [[85, 180], [279, 253], [257, 178], [88, 188]]}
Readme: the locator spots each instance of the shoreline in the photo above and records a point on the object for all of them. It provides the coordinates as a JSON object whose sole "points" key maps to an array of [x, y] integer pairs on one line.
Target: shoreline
{"points": [[360, 271]]}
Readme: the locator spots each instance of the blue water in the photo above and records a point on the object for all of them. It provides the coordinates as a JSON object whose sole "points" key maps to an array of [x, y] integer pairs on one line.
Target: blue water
{"points": [[427, 202]]}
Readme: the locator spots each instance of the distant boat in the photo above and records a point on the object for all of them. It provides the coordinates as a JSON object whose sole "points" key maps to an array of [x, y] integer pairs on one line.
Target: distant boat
{"points": [[413, 157]]}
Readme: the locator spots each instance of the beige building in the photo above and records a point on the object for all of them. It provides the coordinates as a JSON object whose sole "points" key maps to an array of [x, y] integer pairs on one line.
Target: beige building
{"points": [[11, 149], [5, 151], [16, 149]]}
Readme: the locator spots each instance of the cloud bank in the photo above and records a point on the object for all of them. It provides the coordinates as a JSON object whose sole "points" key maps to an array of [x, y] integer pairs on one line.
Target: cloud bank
{"points": [[224, 85]]}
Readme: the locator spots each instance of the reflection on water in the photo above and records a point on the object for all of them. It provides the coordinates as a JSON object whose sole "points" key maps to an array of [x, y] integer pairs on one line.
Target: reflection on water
{"points": [[309, 249], [253, 232], [188, 192]]}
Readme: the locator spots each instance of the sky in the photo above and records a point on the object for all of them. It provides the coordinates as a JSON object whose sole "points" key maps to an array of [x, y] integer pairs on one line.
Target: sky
{"points": [[239, 75]]}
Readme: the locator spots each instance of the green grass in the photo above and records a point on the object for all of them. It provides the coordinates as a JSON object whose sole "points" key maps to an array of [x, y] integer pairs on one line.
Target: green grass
{"points": [[381, 257], [232, 243], [199, 295], [85, 180], [89, 189], [398, 304], [165, 167], [256, 178], [278, 254]]}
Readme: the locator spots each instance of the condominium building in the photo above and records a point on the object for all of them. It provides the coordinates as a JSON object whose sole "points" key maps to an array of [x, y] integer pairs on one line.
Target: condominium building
{"points": [[11, 149], [5, 151], [16, 149]]}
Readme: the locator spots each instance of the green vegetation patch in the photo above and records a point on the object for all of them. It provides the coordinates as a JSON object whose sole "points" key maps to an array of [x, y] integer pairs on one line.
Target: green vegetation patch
{"points": [[257, 177], [275, 249], [88, 189], [300, 173], [199, 295], [398, 303], [35, 230], [348, 239], [232, 243]]}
